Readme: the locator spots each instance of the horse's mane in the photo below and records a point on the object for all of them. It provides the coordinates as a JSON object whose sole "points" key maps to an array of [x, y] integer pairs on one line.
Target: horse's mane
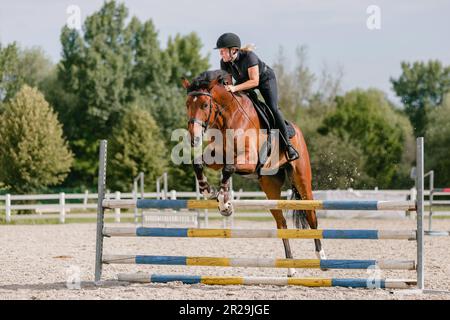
{"points": [[205, 78]]}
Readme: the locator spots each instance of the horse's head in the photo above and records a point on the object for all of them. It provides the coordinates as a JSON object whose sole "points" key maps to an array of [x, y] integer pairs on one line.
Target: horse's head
{"points": [[202, 103]]}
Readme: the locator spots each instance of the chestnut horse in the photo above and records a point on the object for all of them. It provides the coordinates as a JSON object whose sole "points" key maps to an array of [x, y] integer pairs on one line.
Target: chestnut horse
{"points": [[211, 106]]}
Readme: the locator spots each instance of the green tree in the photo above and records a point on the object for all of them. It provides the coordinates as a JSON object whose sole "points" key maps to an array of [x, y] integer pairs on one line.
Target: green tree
{"points": [[401, 178], [136, 146], [62, 101], [181, 58], [184, 58], [22, 66], [96, 71], [33, 153], [10, 80], [34, 66], [112, 65], [367, 120], [437, 143], [421, 86]]}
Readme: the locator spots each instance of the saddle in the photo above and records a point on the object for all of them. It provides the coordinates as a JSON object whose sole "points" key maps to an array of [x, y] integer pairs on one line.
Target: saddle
{"points": [[265, 114], [268, 122]]}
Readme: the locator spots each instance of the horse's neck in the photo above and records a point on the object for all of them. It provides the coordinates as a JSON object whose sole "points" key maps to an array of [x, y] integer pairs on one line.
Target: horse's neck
{"points": [[241, 111], [238, 111]]}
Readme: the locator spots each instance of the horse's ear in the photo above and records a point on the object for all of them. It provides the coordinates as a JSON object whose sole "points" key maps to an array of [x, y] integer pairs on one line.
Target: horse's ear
{"points": [[185, 83]]}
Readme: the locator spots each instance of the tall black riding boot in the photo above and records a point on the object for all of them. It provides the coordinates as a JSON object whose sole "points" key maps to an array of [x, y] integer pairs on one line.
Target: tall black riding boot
{"points": [[291, 153], [269, 92]]}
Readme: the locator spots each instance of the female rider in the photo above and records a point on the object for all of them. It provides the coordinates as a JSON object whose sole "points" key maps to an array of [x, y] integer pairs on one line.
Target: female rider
{"points": [[250, 72]]}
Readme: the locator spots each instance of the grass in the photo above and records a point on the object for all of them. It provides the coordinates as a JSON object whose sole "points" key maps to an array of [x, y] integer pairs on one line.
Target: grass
{"points": [[216, 217], [33, 221]]}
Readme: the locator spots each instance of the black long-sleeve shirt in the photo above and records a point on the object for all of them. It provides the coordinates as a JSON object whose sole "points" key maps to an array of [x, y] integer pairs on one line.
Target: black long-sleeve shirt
{"points": [[239, 67]]}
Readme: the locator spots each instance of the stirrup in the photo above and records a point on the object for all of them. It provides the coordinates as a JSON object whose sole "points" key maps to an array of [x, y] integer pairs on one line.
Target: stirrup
{"points": [[294, 157]]}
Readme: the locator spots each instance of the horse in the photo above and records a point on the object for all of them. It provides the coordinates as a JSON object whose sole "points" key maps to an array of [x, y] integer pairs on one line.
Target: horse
{"points": [[210, 106]]}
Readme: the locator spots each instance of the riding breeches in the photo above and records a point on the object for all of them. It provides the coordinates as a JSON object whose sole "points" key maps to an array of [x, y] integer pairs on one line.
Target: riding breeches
{"points": [[269, 92]]}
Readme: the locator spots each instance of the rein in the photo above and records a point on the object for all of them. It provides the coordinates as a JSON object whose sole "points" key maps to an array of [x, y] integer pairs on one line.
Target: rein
{"points": [[242, 109], [218, 112]]}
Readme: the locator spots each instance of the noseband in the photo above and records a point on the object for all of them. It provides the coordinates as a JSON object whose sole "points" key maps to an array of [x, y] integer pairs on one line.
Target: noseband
{"points": [[211, 104]]}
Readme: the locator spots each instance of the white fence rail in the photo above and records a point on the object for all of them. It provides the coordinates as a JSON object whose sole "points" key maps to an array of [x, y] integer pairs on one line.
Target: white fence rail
{"points": [[63, 208]]}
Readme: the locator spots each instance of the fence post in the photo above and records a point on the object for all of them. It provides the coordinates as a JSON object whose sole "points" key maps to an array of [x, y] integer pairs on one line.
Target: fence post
{"points": [[198, 195], [158, 189], [231, 218], [420, 209], [289, 196], [62, 207], [166, 186], [85, 201], [141, 177], [172, 195], [430, 199], [100, 209], [413, 193], [135, 197], [413, 197], [8, 208], [117, 210]]}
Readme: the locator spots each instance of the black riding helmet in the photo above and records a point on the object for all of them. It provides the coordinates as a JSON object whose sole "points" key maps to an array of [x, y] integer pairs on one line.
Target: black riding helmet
{"points": [[228, 40]]}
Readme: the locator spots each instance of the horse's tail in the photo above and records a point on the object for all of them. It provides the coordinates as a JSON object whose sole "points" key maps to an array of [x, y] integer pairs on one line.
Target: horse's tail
{"points": [[298, 216]]}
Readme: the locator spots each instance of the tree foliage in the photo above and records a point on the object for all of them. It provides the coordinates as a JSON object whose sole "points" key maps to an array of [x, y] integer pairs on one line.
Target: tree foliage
{"points": [[10, 79], [437, 142], [113, 65], [33, 152], [136, 146], [367, 120], [421, 87], [116, 81]]}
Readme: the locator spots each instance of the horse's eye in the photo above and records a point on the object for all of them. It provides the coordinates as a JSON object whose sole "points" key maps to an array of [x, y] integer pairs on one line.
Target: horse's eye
{"points": [[205, 105]]}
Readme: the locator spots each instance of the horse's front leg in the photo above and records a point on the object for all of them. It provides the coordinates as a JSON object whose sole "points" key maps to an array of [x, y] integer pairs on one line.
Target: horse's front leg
{"points": [[203, 184], [225, 206]]}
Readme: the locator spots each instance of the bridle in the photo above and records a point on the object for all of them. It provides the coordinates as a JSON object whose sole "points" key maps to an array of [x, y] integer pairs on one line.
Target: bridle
{"points": [[211, 105], [219, 110]]}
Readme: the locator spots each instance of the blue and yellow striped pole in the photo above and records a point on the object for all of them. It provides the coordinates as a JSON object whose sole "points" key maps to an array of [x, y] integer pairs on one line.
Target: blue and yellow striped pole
{"points": [[259, 262], [308, 282], [259, 233], [264, 204]]}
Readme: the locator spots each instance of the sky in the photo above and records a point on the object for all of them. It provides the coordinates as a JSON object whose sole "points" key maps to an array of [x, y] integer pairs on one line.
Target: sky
{"points": [[335, 32]]}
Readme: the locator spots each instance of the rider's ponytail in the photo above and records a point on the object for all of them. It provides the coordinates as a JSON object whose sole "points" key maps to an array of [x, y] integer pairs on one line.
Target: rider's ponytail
{"points": [[248, 47]]}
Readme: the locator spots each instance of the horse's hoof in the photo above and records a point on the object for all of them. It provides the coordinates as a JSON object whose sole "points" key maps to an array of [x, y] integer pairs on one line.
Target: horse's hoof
{"points": [[225, 206], [228, 210], [291, 272]]}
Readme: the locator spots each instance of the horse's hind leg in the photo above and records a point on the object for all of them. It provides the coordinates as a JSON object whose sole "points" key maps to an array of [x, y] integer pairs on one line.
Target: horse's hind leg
{"points": [[300, 175], [272, 185]]}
